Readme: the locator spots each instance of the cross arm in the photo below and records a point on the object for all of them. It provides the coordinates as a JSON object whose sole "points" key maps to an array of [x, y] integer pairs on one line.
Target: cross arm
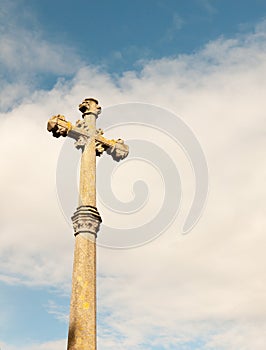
{"points": [[59, 126], [116, 148]]}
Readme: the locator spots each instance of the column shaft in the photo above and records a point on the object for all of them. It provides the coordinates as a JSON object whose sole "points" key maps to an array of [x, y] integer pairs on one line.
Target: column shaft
{"points": [[87, 182], [82, 323]]}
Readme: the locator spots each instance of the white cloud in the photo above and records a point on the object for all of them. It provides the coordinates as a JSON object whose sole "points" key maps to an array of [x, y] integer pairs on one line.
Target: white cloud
{"points": [[59, 312], [25, 50], [242, 336], [53, 345], [208, 6], [26, 55], [176, 289], [177, 23]]}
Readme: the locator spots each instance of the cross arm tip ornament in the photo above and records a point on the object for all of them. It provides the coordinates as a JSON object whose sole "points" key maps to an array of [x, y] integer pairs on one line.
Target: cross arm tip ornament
{"points": [[115, 148], [58, 126], [119, 151]]}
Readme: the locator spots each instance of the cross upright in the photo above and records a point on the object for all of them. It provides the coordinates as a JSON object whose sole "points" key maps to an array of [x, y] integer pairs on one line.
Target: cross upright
{"points": [[86, 220]]}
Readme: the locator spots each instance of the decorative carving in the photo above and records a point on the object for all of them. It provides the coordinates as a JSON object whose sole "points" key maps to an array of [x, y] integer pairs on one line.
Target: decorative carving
{"points": [[118, 151], [100, 148], [90, 105], [82, 126], [81, 133], [86, 220], [116, 148], [99, 131], [85, 225], [59, 126], [81, 142]]}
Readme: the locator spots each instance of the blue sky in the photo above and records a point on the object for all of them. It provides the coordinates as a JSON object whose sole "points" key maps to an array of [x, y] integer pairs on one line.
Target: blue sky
{"points": [[200, 59], [118, 34]]}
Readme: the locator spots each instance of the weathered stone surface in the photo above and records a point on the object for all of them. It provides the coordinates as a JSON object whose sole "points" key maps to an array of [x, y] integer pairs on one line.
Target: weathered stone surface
{"points": [[86, 220], [82, 321], [87, 182]]}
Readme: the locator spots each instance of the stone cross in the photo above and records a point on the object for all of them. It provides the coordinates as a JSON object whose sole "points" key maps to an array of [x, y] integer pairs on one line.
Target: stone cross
{"points": [[86, 220]]}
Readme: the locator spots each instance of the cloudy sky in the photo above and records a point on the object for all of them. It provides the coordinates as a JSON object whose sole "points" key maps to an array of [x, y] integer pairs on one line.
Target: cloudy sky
{"points": [[183, 82]]}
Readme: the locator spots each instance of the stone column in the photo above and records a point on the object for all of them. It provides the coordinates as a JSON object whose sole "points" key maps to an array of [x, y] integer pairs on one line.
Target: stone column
{"points": [[82, 321], [87, 183], [86, 222]]}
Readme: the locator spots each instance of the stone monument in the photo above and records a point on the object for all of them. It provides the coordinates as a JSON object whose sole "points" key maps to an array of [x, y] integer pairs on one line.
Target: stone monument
{"points": [[86, 220]]}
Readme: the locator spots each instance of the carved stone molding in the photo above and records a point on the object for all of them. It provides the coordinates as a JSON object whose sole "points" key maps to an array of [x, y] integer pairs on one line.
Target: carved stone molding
{"points": [[86, 221]]}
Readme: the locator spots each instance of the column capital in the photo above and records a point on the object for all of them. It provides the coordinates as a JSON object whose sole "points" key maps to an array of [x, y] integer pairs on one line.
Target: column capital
{"points": [[86, 221]]}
